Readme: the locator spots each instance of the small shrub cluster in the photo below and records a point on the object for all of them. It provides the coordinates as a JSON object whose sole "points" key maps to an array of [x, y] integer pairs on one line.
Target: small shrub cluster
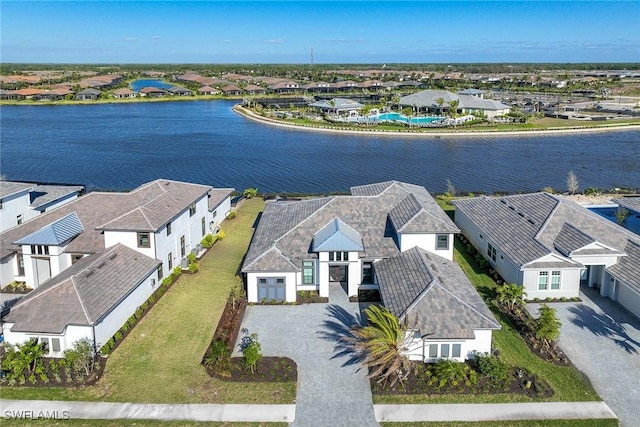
{"points": [[26, 365], [309, 297], [209, 240], [16, 287]]}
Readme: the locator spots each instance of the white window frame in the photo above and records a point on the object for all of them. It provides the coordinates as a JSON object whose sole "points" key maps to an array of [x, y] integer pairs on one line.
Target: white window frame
{"points": [[309, 265], [492, 251], [543, 286], [439, 246], [555, 274]]}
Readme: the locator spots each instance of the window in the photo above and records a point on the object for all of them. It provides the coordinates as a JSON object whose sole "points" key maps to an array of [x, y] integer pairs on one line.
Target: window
{"points": [[39, 250], [491, 251], [51, 344], [555, 280], [433, 351], [262, 281], [192, 209], [1, 204], [19, 219], [55, 345], [76, 258], [170, 261], [307, 273], [543, 280], [160, 272], [182, 247], [203, 224], [444, 350], [338, 256], [169, 229], [442, 241], [367, 272], [143, 240], [20, 260], [214, 214], [456, 350]]}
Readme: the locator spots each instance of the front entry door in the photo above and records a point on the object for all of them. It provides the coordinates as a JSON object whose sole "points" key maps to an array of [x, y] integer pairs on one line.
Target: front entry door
{"points": [[338, 273]]}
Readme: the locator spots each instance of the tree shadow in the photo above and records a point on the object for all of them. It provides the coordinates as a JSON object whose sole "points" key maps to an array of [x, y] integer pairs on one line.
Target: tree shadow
{"points": [[338, 330], [603, 325]]}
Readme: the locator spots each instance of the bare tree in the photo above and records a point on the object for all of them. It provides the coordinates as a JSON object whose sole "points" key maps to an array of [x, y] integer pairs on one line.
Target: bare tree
{"points": [[451, 190], [572, 183]]}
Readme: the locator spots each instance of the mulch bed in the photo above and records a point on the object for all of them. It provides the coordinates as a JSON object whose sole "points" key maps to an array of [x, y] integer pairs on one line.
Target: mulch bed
{"points": [[310, 297], [526, 384], [230, 321], [268, 369], [71, 380]]}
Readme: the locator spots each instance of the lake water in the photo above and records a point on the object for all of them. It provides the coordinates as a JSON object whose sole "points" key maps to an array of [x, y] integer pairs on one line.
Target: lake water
{"points": [[120, 146]]}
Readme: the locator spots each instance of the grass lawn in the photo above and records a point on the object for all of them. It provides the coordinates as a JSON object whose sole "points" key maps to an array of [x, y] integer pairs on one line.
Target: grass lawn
{"points": [[568, 383], [511, 423], [159, 361]]}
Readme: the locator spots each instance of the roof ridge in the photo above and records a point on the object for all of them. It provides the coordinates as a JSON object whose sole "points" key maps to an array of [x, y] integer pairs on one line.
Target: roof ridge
{"points": [[427, 288], [437, 282], [308, 217], [75, 288]]}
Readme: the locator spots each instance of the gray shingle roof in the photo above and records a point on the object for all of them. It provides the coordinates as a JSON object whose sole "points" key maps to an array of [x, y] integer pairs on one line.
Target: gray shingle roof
{"points": [[9, 188], [44, 194], [291, 226], [217, 196], [95, 209], [628, 268], [56, 233], [433, 294], [527, 227], [427, 98], [84, 293]]}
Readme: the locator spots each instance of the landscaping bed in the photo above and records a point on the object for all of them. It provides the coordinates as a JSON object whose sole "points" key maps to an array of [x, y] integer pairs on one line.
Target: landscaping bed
{"points": [[16, 287], [268, 369], [310, 297], [366, 295], [427, 379]]}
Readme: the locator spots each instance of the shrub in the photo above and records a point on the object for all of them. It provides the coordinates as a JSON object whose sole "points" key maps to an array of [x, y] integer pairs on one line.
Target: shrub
{"points": [[231, 215], [139, 313], [219, 359], [193, 267], [251, 351], [118, 336], [221, 235], [208, 241], [448, 372], [493, 368], [191, 257], [471, 250], [125, 327], [144, 305], [80, 357]]}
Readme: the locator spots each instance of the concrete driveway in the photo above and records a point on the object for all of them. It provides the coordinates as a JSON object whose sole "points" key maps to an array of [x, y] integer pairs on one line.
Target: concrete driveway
{"points": [[332, 390], [603, 341]]}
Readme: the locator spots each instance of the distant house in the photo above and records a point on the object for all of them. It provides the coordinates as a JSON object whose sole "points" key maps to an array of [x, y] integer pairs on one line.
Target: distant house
{"points": [[21, 201], [231, 90], [552, 246], [124, 93], [336, 105], [28, 93], [54, 94], [8, 94], [322, 87], [208, 90], [90, 299], [390, 236], [254, 90], [152, 92], [284, 86], [179, 91], [89, 94]]}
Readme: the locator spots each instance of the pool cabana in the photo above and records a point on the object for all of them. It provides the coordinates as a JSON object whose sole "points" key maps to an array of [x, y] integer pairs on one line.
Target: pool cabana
{"points": [[337, 105]]}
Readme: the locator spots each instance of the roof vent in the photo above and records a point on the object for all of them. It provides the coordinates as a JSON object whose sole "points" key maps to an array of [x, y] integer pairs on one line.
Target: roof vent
{"points": [[89, 273], [503, 201], [512, 208], [521, 214], [112, 256], [100, 265], [532, 222]]}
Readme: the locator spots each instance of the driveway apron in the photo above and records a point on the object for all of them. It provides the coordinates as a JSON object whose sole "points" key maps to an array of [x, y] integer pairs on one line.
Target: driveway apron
{"points": [[603, 341], [332, 390]]}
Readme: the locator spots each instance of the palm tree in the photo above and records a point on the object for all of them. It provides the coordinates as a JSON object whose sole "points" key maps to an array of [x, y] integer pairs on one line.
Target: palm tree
{"points": [[453, 111], [440, 102], [250, 193], [512, 296], [381, 345]]}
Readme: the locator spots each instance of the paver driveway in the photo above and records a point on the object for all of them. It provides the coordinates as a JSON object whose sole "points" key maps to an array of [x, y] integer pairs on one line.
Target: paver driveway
{"points": [[603, 341], [331, 390]]}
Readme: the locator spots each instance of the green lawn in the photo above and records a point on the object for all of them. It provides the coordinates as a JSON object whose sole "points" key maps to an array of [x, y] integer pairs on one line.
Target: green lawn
{"points": [[159, 361], [568, 383], [137, 423]]}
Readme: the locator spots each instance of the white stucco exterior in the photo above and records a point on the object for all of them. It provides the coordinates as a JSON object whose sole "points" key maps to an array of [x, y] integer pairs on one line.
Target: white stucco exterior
{"points": [[14, 207], [426, 241], [419, 349]]}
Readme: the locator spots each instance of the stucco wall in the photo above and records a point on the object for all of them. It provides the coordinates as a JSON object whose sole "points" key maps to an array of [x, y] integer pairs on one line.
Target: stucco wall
{"points": [[426, 242], [628, 298], [569, 284], [252, 285], [129, 239], [481, 343], [12, 206]]}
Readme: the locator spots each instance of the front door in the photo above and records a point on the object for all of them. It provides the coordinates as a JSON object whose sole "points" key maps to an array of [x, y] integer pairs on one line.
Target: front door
{"points": [[338, 273], [584, 277]]}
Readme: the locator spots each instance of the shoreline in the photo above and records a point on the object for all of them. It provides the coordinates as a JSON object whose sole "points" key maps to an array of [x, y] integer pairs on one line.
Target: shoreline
{"points": [[435, 135]]}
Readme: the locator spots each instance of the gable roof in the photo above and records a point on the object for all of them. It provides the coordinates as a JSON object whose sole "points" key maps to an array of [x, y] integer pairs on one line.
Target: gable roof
{"points": [[82, 294], [56, 233], [433, 294], [337, 236], [529, 226], [45, 194], [9, 188], [292, 226], [627, 269], [162, 199], [631, 203], [217, 196]]}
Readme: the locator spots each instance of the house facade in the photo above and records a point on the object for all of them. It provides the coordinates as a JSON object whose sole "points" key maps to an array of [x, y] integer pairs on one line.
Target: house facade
{"points": [[391, 237], [553, 246], [164, 220], [305, 245], [91, 299]]}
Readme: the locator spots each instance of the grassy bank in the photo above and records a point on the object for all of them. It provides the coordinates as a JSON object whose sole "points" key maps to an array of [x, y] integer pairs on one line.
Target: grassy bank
{"points": [[159, 361]]}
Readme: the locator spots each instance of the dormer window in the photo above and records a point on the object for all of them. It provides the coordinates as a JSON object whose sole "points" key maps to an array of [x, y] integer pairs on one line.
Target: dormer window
{"points": [[338, 256], [39, 250]]}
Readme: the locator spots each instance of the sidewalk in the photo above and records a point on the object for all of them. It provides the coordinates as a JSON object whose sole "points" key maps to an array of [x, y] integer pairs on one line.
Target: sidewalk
{"points": [[34, 409]]}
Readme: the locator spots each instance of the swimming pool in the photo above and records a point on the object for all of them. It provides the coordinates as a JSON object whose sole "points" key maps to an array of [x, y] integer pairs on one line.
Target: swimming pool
{"points": [[632, 222], [397, 117]]}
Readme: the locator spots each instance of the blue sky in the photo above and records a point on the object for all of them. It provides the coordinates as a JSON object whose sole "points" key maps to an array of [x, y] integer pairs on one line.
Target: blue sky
{"points": [[338, 32]]}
